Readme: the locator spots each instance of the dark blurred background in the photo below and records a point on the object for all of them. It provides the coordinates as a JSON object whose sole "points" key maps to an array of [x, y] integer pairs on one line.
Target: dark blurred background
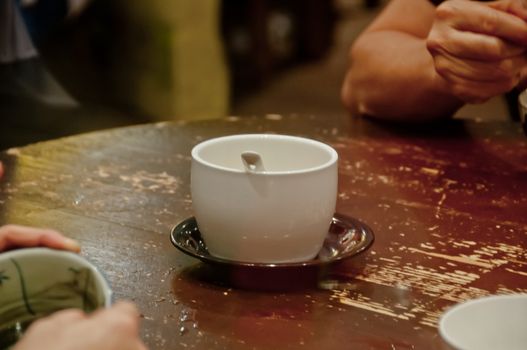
{"points": [[110, 63]]}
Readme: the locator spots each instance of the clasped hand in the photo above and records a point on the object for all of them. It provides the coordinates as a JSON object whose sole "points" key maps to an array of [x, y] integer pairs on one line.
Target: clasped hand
{"points": [[479, 49]]}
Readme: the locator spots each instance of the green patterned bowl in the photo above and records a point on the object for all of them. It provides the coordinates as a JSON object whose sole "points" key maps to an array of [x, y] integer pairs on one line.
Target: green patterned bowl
{"points": [[35, 282]]}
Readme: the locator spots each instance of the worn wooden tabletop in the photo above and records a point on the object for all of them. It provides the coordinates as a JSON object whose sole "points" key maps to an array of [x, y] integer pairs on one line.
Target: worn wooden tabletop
{"points": [[447, 204]]}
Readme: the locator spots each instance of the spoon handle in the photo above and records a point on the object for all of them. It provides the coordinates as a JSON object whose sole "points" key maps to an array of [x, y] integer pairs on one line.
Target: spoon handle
{"points": [[252, 162]]}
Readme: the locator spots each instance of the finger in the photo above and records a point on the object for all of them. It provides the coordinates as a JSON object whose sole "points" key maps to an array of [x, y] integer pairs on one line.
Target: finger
{"points": [[122, 321], [127, 308], [505, 70], [479, 18], [123, 315], [67, 315], [141, 346], [60, 319], [515, 7], [1, 170], [476, 92], [471, 45], [15, 236]]}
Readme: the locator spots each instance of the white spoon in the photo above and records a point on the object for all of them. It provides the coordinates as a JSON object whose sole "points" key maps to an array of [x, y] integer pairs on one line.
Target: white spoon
{"points": [[252, 162]]}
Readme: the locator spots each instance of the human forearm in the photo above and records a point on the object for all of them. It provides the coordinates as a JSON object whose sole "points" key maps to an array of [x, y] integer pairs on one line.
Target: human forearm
{"points": [[392, 76]]}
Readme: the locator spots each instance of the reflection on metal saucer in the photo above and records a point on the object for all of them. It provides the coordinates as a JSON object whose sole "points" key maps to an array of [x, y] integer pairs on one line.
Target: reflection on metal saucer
{"points": [[347, 237]]}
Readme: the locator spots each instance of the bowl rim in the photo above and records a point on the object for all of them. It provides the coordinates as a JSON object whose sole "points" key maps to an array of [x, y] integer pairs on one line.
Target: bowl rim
{"points": [[67, 255], [468, 304]]}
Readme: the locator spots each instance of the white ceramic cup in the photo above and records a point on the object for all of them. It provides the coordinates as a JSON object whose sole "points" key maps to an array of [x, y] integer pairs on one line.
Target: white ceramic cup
{"points": [[278, 214], [489, 323], [35, 282]]}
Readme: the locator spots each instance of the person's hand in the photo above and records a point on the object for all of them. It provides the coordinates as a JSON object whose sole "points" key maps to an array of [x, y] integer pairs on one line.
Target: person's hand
{"points": [[15, 236], [479, 49], [115, 328]]}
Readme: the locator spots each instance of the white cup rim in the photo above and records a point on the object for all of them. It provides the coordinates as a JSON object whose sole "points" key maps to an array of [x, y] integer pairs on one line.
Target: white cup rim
{"points": [[333, 155], [97, 274], [452, 341]]}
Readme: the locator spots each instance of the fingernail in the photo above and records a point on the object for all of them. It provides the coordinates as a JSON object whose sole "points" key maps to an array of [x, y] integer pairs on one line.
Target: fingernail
{"points": [[72, 245]]}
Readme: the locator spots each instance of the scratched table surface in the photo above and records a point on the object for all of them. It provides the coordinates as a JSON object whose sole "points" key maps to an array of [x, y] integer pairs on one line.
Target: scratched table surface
{"points": [[447, 204]]}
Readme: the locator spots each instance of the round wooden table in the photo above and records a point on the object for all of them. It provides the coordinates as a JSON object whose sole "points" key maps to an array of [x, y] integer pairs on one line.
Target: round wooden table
{"points": [[447, 204]]}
